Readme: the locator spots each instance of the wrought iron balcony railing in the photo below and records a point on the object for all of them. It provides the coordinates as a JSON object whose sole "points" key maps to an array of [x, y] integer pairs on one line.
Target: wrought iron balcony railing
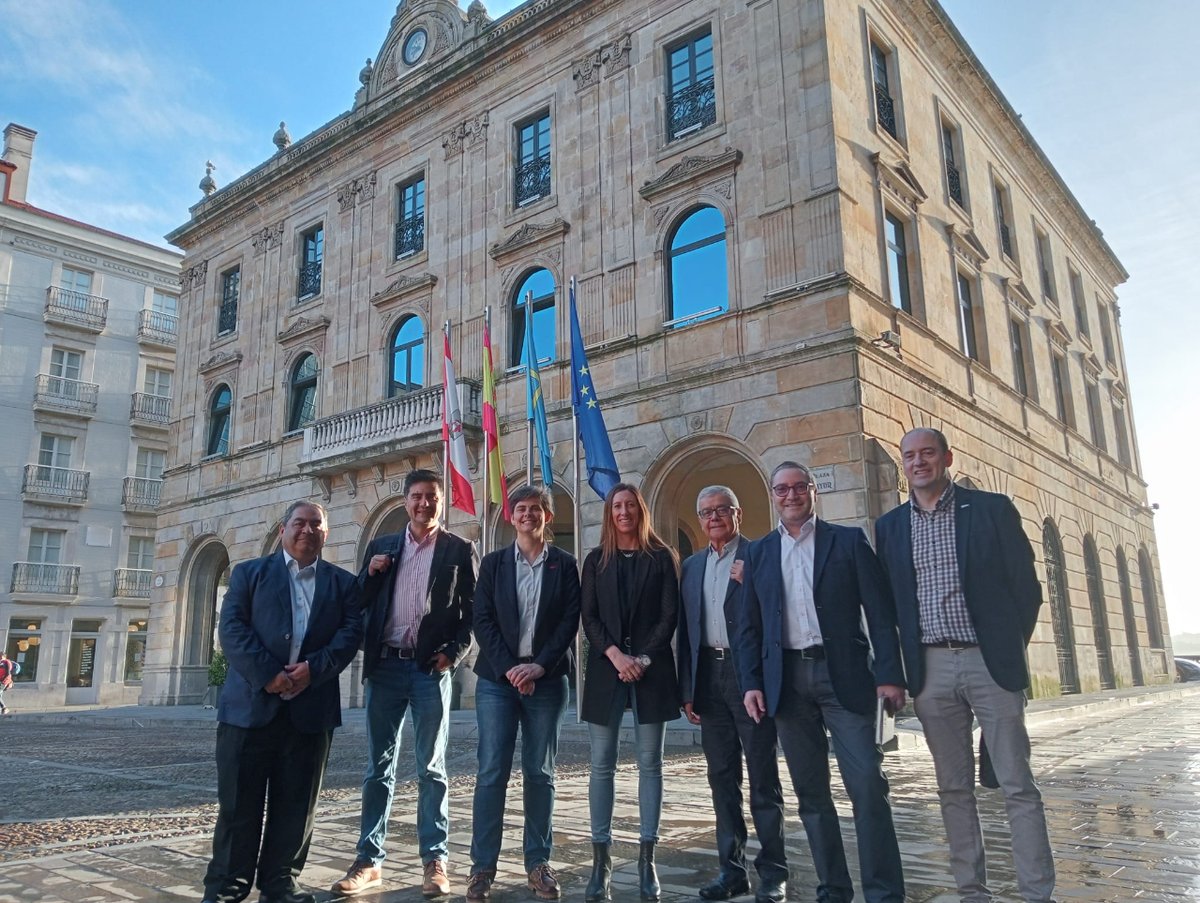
{"points": [[410, 235], [56, 485], [150, 410], [227, 316], [1005, 241], [691, 109], [532, 181], [76, 308], [52, 579], [132, 583], [310, 279], [57, 393], [954, 183], [140, 494], [379, 432], [885, 109], [158, 328]]}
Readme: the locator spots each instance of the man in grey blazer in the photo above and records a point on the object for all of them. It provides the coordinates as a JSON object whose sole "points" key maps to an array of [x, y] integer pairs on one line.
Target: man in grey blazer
{"points": [[710, 592], [290, 623], [967, 600]]}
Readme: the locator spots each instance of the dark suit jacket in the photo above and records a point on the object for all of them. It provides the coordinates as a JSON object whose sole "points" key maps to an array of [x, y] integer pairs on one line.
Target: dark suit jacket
{"points": [[995, 566], [498, 614], [691, 596], [655, 612], [256, 636], [847, 581], [446, 625]]}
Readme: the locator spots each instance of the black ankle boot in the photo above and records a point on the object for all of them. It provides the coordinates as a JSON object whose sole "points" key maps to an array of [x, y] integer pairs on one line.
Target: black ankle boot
{"points": [[598, 884], [647, 875]]}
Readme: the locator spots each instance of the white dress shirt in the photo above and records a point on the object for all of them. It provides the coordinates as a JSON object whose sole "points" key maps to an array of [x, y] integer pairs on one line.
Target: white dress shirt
{"points": [[303, 583], [801, 629]]}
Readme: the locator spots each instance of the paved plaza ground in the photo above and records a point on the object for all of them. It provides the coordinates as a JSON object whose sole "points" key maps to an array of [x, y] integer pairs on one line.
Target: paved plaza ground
{"points": [[118, 805]]}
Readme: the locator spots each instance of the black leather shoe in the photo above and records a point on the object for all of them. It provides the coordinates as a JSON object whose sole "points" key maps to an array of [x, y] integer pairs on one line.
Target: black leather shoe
{"points": [[723, 888], [296, 896], [771, 892]]}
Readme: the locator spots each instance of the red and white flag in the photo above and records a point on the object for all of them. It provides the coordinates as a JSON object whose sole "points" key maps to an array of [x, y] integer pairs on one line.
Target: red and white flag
{"points": [[461, 494]]}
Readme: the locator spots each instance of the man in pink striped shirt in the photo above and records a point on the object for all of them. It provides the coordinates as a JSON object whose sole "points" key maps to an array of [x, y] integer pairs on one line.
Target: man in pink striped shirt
{"points": [[417, 588]]}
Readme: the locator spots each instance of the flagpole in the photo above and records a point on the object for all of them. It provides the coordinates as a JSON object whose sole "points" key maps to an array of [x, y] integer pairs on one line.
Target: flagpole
{"points": [[487, 485], [528, 406], [446, 442], [577, 525]]}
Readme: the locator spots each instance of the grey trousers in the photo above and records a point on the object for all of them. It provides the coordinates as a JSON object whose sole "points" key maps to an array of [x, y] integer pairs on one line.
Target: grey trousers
{"points": [[957, 687]]}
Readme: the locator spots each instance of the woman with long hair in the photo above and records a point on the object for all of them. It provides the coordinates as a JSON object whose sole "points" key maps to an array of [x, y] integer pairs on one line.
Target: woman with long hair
{"points": [[630, 602]]}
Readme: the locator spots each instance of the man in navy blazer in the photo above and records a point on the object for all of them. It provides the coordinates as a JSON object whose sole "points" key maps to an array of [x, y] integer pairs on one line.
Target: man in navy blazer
{"points": [[526, 619], [290, 623], [710, 593], [417, 588], [803, 658], [967, 599]]}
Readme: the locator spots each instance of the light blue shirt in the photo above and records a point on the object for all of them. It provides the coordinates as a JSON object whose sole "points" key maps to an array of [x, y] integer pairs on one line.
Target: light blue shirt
{"points": [[303, 583]]}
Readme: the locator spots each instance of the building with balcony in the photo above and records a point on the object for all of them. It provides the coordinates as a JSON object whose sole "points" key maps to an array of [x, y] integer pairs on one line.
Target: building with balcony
{"points": [[88, 326], [798, 229]]}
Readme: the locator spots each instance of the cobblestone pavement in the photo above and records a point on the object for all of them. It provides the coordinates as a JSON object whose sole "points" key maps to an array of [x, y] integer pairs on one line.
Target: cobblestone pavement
{"points": [[94, 811]]}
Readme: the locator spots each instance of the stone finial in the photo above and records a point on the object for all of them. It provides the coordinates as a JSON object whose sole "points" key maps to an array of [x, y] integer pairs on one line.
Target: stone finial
{"points": [[208, 185], [364, 75], [477, 12], [281, 137]]}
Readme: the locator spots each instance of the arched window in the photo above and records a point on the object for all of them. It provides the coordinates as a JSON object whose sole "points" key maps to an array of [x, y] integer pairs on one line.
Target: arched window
{"points": [[408, 357], [1095, 585], [1131, 633], [220, 413], [697, 281], [541, 283], [1150, 599], [303, 410], [1060, 608]]}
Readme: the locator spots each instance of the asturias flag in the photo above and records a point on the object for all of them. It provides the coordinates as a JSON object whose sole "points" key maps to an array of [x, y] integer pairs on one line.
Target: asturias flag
{"points": [[461, 494], [497, 487], [601, 464], [537, 405]]}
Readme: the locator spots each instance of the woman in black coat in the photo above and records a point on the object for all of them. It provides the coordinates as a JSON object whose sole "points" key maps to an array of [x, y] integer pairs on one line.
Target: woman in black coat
{"points": [[630, 602]]}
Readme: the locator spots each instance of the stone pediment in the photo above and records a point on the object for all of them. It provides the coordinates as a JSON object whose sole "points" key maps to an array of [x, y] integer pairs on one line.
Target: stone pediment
{"points": [[221, 360], [967, 245], [528, 234], [899, 181], [421, 31], [302, 327], [1058, 333], [692, 168], [1091, 365], [1117, 388], [1017, 294], [403, 286]]}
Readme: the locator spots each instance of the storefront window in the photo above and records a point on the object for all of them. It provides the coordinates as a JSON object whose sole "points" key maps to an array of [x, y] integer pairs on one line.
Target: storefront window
{"points": [[24, 644], [135, 651], [81, 658]]}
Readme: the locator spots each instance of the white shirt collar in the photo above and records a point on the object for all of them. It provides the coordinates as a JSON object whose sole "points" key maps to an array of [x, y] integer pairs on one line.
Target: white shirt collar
{"points": [[289, 561], [806, 530]]}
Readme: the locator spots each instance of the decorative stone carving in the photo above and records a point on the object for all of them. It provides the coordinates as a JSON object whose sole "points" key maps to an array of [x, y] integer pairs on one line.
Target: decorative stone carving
{"points": [[267, 238], [452, 141], [660, 214], [477, 18], [194, 275], [208, 184], [586, 70], [528, 234], [899, 181], [966, 245], [302, 326], [724, 189], [402, 286], [221, 359], [358, 190], [690, 169], [1058, 333], [282, 139], [475, 130], [616, 55], [365, 73], [1016, 293]]}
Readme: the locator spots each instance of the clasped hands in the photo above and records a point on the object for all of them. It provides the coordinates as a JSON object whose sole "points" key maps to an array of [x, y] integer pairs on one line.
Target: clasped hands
{"points": [[630, 668], [291, 681], [524, 677]]}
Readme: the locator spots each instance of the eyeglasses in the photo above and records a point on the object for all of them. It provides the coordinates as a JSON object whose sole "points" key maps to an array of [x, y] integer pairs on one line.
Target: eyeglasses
{"points": [[718, 511], [783, 490]]}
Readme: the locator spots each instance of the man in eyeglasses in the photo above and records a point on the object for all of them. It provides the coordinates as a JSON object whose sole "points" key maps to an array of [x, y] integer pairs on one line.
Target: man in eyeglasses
{"points": [[803, 657], [710, 592]]}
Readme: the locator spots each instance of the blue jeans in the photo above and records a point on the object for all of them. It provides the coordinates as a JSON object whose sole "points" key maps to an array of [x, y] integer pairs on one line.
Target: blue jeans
{"points": [[392, 688], [500, 710], [648, 742]]}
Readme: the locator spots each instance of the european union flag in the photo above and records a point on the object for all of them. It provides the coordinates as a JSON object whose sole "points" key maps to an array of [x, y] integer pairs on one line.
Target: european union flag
{"points": [[601, 464], [533, 397]]}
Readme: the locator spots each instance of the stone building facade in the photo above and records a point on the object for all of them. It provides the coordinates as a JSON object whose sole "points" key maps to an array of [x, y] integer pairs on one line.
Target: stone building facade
{"points": [[87, 354], [798, 229]]}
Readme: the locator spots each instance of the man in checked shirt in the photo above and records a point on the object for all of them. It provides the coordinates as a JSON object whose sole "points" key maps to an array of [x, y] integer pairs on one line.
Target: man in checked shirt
{"points": [[967, 600]]}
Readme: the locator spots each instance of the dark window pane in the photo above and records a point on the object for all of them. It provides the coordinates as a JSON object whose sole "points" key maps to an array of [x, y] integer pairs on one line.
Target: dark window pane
{"points": [[541, 283]]}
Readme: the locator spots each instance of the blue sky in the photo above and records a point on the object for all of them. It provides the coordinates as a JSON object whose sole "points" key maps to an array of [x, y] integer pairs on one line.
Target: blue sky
{"points": [[130, 98]]}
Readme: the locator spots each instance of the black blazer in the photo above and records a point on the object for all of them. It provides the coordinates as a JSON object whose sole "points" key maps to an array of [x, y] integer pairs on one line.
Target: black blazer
{"points": [[848, 582], [691, 595], [995, 567], [498, 614], [446, 625], [256, 637], [654, 617]]}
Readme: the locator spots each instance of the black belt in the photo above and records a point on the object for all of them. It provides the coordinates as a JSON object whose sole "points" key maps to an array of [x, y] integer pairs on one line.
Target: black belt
{"points": [[717, 653], [811, 654], [950, 644], [397, 652]]}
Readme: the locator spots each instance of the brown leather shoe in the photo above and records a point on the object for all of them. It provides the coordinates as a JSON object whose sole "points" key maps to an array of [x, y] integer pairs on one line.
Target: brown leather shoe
{"points": [[436, 884], [480, 886], [544, 883], [362, 876]]}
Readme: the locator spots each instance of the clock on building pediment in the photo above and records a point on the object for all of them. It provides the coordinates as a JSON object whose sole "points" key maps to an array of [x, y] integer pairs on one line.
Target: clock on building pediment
{"points": [[414, 46], [421, 32]]}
